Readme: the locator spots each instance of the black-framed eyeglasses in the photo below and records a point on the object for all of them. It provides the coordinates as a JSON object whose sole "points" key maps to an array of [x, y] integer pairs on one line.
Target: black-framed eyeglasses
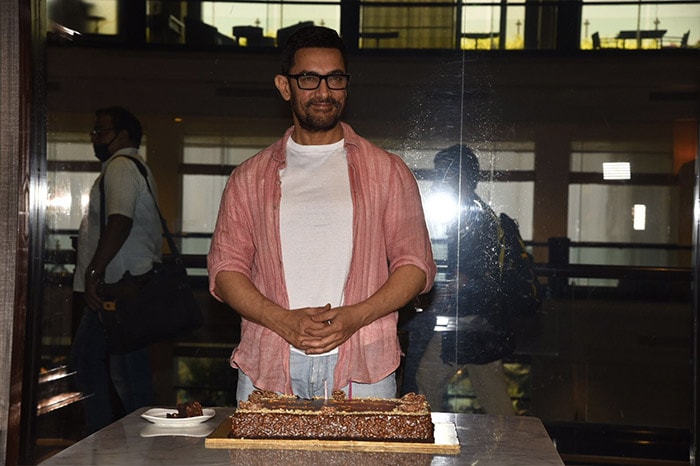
{"points": [[97, 132], [309, 82]]}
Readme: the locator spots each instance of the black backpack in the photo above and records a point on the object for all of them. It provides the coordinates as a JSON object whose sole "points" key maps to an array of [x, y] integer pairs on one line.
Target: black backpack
{"points": [[519, 284]]}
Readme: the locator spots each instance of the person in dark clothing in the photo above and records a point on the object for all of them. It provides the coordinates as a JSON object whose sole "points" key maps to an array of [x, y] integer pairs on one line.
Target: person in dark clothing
{"points": [[129, 241], [473, 331]]}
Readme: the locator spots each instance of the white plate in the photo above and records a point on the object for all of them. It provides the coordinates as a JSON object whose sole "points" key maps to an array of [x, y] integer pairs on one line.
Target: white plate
{"points": [[199, 430], [159, 416]]}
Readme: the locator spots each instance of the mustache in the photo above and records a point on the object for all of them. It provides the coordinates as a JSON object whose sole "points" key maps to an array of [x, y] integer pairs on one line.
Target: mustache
{"points": [[328, 100]]}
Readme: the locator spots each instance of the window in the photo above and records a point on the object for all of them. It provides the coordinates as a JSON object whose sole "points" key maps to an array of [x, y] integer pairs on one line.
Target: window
{"points": [[660, 24], [95, 17], [370, 24], [270, 17], [72, 172], [612, 236], [208, 164], [492, 26]]}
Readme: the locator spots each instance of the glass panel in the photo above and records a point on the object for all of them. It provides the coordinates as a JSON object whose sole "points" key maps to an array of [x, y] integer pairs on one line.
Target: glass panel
{"points": [[200, 206], [519, 157], [609, 346], [205, 190], [424, 26], [587, 222], [481, 26], [94, 17], [191, 371], [269, 16], [493, 157], [71, 149], [649, 161], [671, 21], [68, 199], [515, 26], [514, 198], [438, 328], [221, 151]]}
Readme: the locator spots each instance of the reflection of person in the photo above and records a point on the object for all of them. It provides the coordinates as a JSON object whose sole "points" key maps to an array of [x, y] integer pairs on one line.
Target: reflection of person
{"points": [[320, 239], [479, 335], [69, 13], [130, 240], [418, 321]]}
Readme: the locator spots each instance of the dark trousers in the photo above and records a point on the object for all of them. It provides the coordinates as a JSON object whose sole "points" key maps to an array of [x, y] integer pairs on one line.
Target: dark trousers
{"points": [[100, 374]]}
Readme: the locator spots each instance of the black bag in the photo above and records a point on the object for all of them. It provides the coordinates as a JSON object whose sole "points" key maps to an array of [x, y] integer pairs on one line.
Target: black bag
{"points": [[519, 284], [143, 309], [140, 310]]}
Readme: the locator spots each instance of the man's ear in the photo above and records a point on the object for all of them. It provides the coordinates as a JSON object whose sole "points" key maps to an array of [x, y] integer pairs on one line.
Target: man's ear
{"points": [[124, 139], [282, 85]]}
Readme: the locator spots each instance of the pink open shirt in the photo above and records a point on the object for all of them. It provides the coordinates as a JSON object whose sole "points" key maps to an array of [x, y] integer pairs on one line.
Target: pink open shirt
{"points": [[388, 232]]}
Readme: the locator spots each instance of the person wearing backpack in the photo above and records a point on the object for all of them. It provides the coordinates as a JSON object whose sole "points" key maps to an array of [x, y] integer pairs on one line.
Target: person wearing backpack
{"points": [[477, 335]]}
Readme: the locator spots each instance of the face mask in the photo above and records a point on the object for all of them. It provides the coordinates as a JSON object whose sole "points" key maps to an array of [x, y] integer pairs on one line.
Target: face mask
{"points": [[102, 150]]}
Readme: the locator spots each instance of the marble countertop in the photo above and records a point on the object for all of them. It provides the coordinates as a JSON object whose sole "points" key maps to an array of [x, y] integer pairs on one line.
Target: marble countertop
{"points": [[485, 440]]}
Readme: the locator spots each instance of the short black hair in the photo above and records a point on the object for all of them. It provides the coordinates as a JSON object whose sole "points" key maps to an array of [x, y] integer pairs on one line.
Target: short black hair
{"points": [[123, 119], [311, 36], [458, 159]]}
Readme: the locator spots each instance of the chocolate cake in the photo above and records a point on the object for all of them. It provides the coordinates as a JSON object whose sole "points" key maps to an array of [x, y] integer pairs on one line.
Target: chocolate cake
{"points": [[267, 415], [192, 409]]}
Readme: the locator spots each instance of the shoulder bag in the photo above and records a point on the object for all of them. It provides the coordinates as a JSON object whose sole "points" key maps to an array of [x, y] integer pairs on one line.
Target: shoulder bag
{"points": [[158, 305]]}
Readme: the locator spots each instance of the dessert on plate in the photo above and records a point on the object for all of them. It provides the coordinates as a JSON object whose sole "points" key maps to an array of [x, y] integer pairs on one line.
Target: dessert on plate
{"points": [[190, 409]]}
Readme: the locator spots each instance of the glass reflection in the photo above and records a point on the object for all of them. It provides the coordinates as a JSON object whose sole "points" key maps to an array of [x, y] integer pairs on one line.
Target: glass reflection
{"points": [[609, 348], [466, 25], [94, 17], [460, 337]]}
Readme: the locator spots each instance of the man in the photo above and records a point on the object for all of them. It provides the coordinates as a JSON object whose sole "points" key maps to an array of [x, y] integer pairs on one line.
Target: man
{"points": [[320, 239], [480, 335], [130, 240]]}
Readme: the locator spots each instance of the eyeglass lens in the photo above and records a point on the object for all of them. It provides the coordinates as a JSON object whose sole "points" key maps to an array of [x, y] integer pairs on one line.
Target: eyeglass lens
{"points": [[312, 81], [98, 131]]}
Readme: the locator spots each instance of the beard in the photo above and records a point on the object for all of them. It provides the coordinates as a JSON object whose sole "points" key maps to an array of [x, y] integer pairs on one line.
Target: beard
{"points": [[317, 121]]}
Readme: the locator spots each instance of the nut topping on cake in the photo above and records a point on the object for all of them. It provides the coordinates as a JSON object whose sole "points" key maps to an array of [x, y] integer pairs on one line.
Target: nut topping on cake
{"points": [[259, 395], [326, 409], [412, 403], [267, 415], [252, 405]]}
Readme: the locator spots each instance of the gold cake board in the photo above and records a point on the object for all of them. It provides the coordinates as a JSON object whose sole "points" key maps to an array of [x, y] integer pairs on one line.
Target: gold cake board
{"points": [[446, 442]]}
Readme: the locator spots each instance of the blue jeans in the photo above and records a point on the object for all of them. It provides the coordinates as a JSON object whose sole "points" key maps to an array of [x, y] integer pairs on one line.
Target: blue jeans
{"points": [[98, 371], [313, 377]]}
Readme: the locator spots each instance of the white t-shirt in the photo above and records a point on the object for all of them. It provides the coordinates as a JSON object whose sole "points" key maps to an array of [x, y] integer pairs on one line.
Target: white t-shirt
{"points": [[316, 215]]}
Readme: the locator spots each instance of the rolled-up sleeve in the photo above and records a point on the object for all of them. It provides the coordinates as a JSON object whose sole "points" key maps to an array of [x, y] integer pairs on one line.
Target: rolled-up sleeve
{"points": [[232, 247]]}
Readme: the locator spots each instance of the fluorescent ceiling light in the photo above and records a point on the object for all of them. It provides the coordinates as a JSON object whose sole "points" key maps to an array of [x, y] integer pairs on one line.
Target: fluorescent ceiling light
{"points": [[639, 217], [616, 171]]}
